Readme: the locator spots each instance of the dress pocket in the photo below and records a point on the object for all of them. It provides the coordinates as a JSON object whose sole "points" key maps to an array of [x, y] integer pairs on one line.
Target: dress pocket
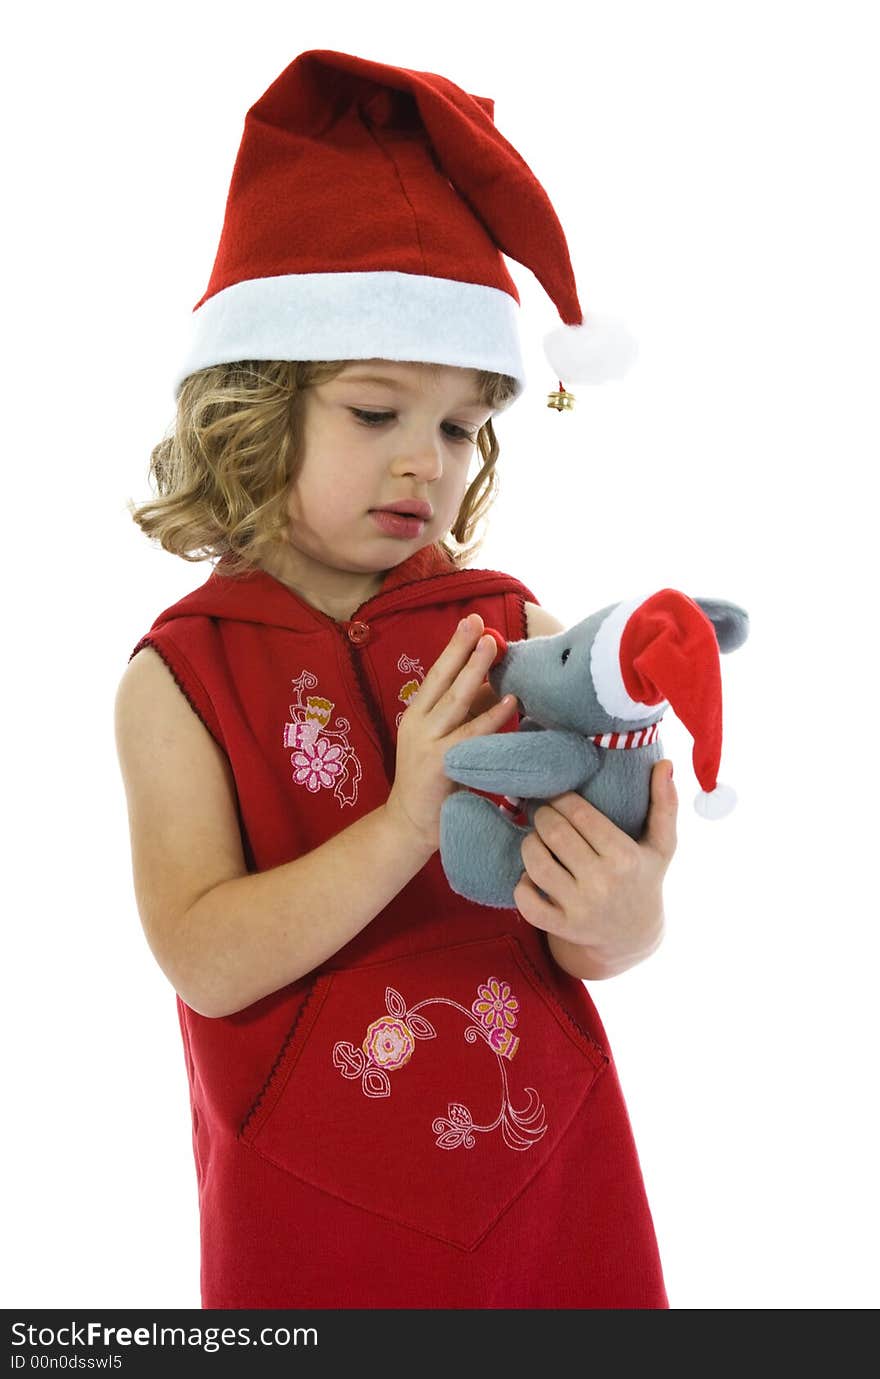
{"points": [[429, 1089]]}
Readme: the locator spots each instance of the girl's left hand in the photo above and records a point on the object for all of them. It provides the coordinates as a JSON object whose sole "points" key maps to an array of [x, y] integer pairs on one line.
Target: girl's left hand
{"points": [[604, 890]]}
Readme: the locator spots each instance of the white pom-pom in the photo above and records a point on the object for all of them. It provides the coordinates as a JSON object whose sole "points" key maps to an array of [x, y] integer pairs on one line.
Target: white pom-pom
{"points": [[600, 349], [715, 804]]}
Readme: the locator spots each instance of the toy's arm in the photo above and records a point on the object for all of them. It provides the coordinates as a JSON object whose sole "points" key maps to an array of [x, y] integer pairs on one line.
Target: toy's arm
{"points": [[530, 765]]}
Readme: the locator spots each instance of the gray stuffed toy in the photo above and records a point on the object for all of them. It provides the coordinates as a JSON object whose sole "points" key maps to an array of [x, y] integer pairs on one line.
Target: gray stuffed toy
{"points": [[592, 698]]}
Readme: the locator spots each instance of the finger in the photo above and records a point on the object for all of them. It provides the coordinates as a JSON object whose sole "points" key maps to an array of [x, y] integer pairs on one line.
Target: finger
{"points": [[545, 868], [450, 661], [558, 834], [485, 698], [660, 832], [533, 907], [590, 823], [491, 720], [452, 707]]}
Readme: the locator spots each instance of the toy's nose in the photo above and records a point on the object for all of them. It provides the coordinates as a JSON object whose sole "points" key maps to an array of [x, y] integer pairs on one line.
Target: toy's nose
{"points": [[500, 644]]}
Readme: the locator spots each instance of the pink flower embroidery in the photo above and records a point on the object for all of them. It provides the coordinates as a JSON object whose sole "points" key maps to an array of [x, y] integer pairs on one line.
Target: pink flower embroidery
{"points": [[495, 1007], [317, 765], [388, 1043]]}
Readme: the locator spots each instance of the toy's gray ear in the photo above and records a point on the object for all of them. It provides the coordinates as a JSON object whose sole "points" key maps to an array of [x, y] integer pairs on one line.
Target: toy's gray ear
{"points": [[731, 623]]}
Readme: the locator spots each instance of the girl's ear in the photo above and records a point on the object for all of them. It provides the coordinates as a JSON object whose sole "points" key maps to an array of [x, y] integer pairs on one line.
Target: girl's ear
{"points": [[731, 622]]}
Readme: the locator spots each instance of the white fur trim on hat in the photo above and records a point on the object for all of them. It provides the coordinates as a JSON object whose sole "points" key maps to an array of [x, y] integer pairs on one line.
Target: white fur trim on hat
{"points": [[600, 349], [715, 804], [605, 667], [400, 316]]}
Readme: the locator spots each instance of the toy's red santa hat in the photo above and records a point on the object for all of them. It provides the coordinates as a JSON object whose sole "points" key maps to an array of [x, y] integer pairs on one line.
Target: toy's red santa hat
{"points": [[367, 215], [663, 651]]}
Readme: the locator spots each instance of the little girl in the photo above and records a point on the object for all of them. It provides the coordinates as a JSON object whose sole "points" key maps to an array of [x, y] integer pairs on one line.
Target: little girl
{"points": [[400, 1098]]}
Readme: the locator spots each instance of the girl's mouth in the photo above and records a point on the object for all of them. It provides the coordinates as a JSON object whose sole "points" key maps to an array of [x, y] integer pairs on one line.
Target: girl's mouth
{"points": [[398, 524]]}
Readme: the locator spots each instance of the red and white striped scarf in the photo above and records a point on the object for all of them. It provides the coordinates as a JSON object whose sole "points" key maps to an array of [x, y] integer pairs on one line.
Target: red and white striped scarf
{"points": [[642, 738]]}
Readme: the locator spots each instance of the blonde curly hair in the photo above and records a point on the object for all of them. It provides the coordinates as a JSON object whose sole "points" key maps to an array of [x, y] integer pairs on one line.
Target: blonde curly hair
{"points": [[223, 474]]}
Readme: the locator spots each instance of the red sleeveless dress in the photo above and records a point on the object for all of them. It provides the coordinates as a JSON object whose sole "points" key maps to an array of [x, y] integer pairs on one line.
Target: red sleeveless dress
{"points": [[432, 1118]]}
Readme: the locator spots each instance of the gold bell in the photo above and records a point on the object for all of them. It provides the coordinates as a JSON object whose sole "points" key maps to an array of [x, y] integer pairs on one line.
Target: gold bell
{"points": [[561, 400]]}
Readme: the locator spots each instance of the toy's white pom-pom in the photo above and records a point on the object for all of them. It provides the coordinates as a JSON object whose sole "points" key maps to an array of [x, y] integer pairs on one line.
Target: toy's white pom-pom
{"points": [[600, 349], [715, 804]]}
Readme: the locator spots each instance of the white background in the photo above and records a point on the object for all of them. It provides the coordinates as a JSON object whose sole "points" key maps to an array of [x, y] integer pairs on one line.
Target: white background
{"points": [[714, 169]]}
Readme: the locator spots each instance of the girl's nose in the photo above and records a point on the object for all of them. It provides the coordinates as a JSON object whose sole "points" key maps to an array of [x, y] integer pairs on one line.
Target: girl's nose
{"points": [[424, 460]]}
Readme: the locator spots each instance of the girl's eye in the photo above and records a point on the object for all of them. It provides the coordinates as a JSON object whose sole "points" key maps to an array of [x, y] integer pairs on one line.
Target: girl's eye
{"points": [[370, 418], [377, 418]]}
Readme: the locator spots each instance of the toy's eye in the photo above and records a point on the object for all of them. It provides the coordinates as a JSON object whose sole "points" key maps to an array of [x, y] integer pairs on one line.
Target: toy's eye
{"points": [[565, 655]]}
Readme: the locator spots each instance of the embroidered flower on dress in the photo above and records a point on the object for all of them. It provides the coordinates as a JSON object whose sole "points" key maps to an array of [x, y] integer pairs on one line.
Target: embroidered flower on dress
{"points": [[389, 1043], [317, 765], [495, 1007], [323, 757]]}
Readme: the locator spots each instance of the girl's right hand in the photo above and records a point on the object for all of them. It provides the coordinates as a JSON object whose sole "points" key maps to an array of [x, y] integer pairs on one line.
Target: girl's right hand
{"points": [[435, 720]]}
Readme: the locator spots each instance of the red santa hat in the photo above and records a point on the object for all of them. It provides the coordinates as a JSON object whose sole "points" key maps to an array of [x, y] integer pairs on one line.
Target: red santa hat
{"points": [[367, 216], [659, 651]]}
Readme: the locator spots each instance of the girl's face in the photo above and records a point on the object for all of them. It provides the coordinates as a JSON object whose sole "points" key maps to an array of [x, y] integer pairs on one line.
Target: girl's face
{"points": [[379, 432]]}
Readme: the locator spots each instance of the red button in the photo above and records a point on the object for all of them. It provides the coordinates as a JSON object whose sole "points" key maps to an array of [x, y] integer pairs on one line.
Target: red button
{"points": [[358, 632]]}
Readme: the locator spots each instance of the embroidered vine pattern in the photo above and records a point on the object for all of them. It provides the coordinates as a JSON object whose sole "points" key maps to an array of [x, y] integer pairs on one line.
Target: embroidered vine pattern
{"points": [[406, 665], [390, 1041], [323, 758]]}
